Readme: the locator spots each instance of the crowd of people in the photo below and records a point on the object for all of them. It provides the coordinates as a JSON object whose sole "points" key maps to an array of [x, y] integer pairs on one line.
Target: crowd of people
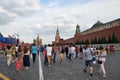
{"points": [[21, 55]]}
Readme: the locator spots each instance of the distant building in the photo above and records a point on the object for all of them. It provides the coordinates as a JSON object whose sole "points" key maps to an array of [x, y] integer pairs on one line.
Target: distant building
{"points": [[37, 41], [99, 32], [57, 37]]}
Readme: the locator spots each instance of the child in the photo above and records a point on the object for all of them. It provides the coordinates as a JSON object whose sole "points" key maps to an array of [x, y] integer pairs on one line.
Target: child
{"points": [[18, 64]]}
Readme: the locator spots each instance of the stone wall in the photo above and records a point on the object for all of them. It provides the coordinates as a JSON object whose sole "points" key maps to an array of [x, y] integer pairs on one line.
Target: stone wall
{"points": [[102, 33]]}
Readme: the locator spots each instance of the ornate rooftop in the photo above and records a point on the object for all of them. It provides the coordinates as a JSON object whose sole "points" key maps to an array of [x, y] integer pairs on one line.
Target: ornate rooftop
{"points": [[97, 24]]}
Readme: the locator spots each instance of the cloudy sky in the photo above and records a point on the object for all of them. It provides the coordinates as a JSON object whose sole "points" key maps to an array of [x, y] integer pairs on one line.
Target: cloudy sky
{"points": [[31, 17]]}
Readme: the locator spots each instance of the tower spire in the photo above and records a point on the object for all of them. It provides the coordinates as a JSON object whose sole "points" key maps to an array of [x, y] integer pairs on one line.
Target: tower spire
{"points": [[57, 37], [57, 29], [77, 30]]}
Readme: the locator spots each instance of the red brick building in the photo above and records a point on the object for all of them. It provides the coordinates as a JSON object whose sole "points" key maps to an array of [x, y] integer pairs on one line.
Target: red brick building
{"points": [[97, 31]]}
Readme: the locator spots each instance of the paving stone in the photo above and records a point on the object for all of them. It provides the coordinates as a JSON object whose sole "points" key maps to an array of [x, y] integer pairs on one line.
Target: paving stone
{"points": [[66, 71]]}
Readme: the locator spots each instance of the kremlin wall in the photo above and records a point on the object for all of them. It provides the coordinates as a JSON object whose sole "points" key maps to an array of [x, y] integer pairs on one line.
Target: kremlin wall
{"points": [[99, 33]]}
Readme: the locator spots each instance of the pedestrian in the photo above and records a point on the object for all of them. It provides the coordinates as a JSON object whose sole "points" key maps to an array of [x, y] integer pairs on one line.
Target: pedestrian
{"points": [[41, 49], [61, 54], [34, 52], [20, 52], [66, 51], [45, 55], [81, 52], [76, 50], [112, 49], [13, 54], [18, 64], [88, 59], [9, 55], [107, 48], [26, 60], [73, 52], [101, 61], [69, 52], [54, 53], [49, 54]]}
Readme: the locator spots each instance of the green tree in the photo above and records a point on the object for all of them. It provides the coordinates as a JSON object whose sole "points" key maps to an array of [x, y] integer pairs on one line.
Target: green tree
{"points": [[78, 42], [82, 42], [92, 41], [95, 40], [103, 40], [116, 41], [99, 41], [86, 41], [109, 39], [114, 38]]}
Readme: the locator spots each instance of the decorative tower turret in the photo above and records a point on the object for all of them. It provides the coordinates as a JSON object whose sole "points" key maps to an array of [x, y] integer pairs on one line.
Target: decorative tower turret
{"points": [[38, 41], [77, 30], [57, 37]]}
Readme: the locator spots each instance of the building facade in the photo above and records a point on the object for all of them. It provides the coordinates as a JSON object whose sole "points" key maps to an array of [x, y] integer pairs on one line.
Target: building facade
{"points": [[37, 41], [98, 33]]}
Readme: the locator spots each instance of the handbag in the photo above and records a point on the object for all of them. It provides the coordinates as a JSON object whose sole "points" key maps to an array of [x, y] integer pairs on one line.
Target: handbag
{"points": [[93, 58], [99, 62]]}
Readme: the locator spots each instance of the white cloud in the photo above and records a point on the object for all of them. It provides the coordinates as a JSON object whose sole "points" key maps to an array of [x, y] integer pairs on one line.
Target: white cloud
{"points": [[5, 16], [38, 26], [10, 9], [45, 21]]}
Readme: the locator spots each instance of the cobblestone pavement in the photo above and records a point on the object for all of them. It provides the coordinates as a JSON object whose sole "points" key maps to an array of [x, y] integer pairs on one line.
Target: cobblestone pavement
{"points": [[66, 71], [74, 70], [10, 71]]}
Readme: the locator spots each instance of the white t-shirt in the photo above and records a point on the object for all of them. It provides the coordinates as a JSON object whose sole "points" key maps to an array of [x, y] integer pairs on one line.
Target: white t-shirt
{"points": [[16, 48], [72, 49], [49, 51]]}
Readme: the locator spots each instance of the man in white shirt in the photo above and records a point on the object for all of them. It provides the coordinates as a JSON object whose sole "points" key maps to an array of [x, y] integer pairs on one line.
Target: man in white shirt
{"points": [[72, 53], [49, 54]]}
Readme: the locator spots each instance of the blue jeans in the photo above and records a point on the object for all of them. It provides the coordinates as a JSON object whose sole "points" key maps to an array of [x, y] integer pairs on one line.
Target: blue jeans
{"points": [[54, 57]]}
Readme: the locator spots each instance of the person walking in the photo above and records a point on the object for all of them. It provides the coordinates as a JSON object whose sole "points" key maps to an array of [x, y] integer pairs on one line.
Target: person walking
{"points": [[69, 52], [13, 54], [73, 52], [66, 51], [20, 52], [49, 54], [81, 52], [9, 55], [26, 60], [101, 61], [54, 53], [34, 52], [88, 60], [61, 54], [76, 50], [45, 55]]}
